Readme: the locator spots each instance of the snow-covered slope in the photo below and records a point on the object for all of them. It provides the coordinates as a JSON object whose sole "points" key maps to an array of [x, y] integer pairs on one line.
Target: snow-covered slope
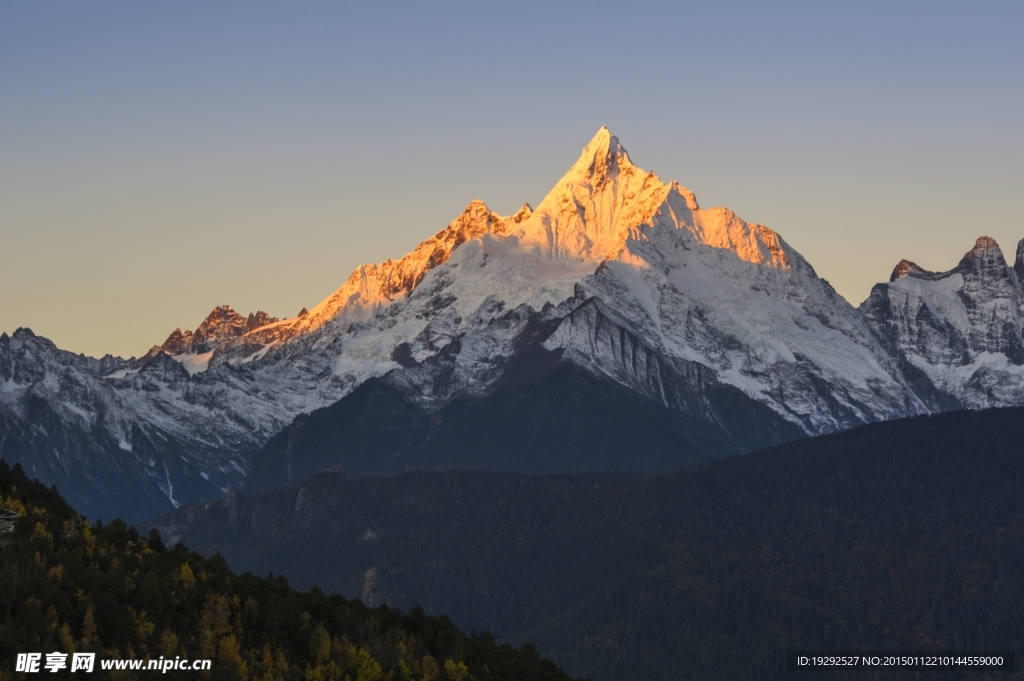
{"points": [[696, 285], [616, 272], [706, 286], [127, 446]]}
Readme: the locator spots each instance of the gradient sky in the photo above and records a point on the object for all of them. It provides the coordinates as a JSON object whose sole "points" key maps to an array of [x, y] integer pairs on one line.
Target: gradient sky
{"points": [[159, 158]]}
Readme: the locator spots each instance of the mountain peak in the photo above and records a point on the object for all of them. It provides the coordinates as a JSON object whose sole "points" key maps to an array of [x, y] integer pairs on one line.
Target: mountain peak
{"points": [[222, 324], [475, 210], [177, 343], [600, 205], [985, 253], [601, 159], [985, 243], [603, 138], [525, 212], [221, 312], [906, 268]]}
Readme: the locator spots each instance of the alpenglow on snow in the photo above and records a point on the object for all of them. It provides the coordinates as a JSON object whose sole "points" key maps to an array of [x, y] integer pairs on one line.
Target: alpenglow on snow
{"points": [[615, 273]]}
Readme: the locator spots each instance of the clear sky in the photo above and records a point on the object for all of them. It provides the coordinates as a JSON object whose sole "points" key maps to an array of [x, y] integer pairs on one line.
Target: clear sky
{"points": [[160, 158]]}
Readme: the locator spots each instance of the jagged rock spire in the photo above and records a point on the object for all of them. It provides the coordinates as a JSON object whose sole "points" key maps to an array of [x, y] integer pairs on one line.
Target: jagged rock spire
{"points": [[221, 325]]}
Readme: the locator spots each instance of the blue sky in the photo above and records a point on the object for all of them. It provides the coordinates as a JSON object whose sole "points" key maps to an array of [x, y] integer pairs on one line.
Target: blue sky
{"points": [[158, 159]]}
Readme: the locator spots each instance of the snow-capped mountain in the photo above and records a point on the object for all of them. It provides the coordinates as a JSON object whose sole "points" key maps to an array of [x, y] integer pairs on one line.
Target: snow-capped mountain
{"points": [[616, 273], [693, 285], [956, 335]]}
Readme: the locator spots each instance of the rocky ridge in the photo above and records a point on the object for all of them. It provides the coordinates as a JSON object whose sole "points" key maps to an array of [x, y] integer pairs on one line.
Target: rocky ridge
{"points": [[220, 326]]}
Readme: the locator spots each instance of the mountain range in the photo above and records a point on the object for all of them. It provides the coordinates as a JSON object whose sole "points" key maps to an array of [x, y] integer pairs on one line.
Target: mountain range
{"points": [[617, 326]]}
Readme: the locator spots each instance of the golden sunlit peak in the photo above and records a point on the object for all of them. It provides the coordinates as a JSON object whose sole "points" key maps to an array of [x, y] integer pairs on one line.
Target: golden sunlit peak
{"points": [[602, 156], [522, 214], [604, 143], [985, 243]]}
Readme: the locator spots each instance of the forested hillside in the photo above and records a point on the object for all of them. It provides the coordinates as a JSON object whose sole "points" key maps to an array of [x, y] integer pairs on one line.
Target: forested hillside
{"points": [[69, 587], [899, 535]]}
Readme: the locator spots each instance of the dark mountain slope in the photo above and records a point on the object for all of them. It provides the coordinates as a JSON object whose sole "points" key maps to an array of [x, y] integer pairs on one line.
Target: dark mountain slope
{"points": [[63, 420], [71, 587], [898, 535], [79, 461], [544, 416]]}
